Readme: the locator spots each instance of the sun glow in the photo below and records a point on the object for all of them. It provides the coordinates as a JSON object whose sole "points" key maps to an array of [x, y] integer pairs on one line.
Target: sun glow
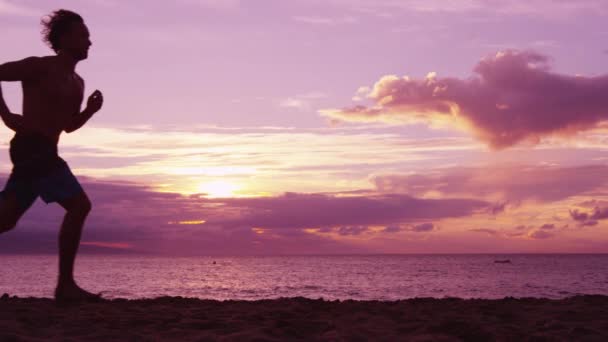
{"points": [[218, 189]]}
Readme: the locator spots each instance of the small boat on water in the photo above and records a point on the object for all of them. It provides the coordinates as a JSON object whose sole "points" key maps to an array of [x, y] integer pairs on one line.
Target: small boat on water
{"points": [[505, 261]]}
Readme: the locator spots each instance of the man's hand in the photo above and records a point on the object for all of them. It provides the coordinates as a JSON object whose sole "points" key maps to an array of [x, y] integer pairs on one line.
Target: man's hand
{"points": [[13, 121], [94, 102]]}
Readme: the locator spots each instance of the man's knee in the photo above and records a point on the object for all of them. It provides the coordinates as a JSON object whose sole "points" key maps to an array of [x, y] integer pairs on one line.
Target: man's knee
{"points": [[84, 207], [81, 208]]}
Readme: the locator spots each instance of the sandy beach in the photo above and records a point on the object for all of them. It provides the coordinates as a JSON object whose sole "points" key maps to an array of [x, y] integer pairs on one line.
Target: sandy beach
{"points": [[174, 318]]}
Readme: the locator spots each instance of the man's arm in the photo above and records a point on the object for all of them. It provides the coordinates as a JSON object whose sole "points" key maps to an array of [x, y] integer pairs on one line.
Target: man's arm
{"points": [[12, 121], [23, 70], [94, 104], [3, 106]]}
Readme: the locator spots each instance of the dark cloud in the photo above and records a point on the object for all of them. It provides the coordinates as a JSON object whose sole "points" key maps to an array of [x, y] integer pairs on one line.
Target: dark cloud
{"points": [[548, 226], [508, 182], [589, 223], [353, 230], [392, 229], [423, 227], [592, 218], [416, 228], [579, 216], [129, 216], [599, 213], [514, 97], [540, 234], [314, 210], [498, 208]]}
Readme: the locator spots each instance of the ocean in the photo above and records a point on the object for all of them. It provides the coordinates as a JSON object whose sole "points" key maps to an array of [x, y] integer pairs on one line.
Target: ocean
{"points": [[359, 277]]}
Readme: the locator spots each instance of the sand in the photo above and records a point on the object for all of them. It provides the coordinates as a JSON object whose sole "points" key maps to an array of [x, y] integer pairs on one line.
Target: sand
{"points": [[167, 318]]}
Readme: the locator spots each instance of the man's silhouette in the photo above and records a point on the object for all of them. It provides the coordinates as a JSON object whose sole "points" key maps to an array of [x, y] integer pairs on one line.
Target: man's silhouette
{"points": [[52, 98]]}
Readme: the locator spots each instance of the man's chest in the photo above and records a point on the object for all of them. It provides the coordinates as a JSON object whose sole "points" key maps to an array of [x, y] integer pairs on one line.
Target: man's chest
{"points": [[61, 90]]}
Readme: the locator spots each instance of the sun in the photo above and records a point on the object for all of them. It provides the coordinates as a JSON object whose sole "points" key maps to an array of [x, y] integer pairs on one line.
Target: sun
{"points": [[218, 189]]}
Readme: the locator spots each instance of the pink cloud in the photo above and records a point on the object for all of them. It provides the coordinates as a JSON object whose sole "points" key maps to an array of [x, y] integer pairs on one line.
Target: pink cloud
{"points": [[513, 97]]}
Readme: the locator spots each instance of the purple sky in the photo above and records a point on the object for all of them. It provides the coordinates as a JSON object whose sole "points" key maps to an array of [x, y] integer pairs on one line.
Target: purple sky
{"points": [[333, 126]]}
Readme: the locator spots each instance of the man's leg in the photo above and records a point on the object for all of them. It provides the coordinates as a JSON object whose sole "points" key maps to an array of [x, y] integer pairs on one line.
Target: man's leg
{"points": [[10, 211], [77, 208]]}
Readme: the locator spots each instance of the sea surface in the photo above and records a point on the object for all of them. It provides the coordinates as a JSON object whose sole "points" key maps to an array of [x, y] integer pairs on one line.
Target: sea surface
{"points": [[376, 277]]}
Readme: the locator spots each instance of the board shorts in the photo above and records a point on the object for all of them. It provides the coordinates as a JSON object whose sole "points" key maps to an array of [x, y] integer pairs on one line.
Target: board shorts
{"points": [[39, 171]]}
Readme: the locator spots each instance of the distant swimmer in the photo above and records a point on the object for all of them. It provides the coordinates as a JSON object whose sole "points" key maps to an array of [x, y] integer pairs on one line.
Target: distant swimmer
{"points": [[52, 98]]}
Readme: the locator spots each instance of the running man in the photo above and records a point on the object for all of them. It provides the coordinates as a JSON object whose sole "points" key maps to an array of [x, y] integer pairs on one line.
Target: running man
{"points": [[52, 97]]}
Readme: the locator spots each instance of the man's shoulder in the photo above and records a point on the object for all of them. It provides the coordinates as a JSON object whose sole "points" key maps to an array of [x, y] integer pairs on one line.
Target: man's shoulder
{"points": [[46, 61], [39, 59], [39, 64]]}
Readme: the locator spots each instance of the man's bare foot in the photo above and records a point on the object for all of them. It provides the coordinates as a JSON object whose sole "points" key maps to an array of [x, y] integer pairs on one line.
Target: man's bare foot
{"points": [[74, 293]]}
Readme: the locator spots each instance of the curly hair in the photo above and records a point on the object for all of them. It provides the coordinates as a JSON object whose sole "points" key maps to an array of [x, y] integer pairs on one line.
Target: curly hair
{"points": [[57, 24]]}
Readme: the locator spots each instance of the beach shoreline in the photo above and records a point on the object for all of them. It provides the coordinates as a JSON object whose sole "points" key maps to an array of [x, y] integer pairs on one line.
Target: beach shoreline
{"points": [[419, 319]]}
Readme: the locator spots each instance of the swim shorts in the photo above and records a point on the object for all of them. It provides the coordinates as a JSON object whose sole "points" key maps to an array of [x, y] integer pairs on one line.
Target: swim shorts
{"points": [[39, 171]]}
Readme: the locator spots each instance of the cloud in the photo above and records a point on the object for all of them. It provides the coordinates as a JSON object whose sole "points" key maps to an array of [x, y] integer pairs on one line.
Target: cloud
{"points": [[540, 234], [547, 226], [293, 210], [417, 228], [514, 97], [592, 218], [599, 213], [498, 182], [135, 217], [579, 216], [302, 101], [278, 157], [424, 227], [392, 229], [352, 230], [590, 223], [291, 102]]}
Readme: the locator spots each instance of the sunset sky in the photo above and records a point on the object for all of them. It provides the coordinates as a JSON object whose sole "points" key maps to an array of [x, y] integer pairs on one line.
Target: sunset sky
{"points": [[332, 126]]}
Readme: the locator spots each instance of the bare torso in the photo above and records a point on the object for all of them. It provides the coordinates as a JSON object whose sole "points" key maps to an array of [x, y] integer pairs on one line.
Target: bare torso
{"points": [[51, 100]]}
